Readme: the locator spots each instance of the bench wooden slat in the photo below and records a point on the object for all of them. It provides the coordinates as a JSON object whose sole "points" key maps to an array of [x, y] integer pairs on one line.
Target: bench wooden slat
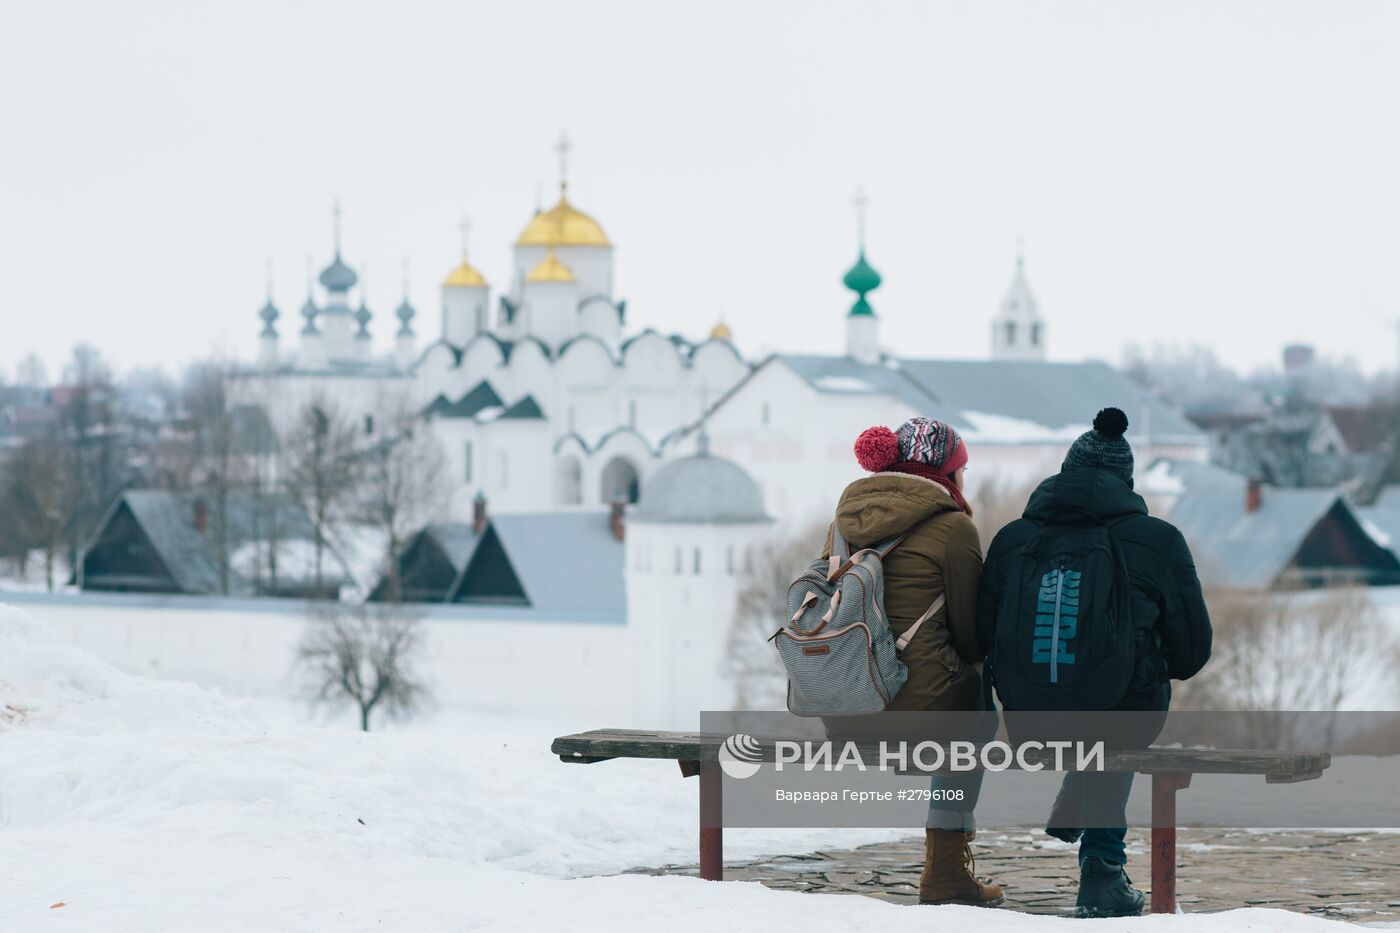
{"points": [[1275, 766]]}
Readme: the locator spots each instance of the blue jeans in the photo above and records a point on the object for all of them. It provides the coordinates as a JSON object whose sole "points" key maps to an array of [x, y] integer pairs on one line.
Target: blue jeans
{"points": [[953, 795], [1102, 796], [1107, 789]]}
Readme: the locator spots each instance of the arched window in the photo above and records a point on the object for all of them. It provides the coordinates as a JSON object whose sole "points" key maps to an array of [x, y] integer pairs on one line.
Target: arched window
{"points": [[619, 481], [1011, 333], [1035, 334], [570, 479]]}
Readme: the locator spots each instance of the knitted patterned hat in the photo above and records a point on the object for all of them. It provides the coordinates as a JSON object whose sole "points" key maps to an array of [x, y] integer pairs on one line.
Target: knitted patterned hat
{"points": [[1104, 447], [918, 440]]}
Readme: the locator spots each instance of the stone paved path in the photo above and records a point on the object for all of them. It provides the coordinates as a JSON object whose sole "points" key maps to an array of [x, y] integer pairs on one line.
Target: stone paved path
{"points": [[1348, 876]]}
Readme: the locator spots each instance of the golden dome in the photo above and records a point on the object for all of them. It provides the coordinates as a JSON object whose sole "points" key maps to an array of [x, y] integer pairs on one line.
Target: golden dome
{"points": [[465, 275], [562, 225], [721, 332], [550, 269]]}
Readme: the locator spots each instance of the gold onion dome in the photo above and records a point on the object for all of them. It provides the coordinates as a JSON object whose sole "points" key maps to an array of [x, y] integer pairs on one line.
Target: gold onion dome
{"points": [[562, 225], [721, 331], [550, 269], [465, 276]]}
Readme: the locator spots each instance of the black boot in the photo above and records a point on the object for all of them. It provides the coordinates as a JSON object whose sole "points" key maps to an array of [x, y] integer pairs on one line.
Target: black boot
{"points": [[1105, 890]]}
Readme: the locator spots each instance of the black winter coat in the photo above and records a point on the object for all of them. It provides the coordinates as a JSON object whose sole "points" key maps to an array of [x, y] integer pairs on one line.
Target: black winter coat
{"points": [[1169, 611]]}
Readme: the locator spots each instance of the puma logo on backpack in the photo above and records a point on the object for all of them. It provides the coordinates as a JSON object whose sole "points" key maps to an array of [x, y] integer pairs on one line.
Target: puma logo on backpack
{"points": [[840, 655], [1064, 633]]}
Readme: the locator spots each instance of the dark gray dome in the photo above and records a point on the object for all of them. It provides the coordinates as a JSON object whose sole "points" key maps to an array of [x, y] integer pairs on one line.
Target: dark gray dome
{"points": [[338, 277], [700, 490]]}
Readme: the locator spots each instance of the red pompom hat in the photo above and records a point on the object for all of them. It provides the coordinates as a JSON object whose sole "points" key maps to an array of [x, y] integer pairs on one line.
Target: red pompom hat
{"points": [[919, 440], [921, 447]]}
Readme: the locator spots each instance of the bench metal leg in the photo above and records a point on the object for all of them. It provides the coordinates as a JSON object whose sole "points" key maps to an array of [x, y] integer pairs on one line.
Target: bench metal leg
{"points": [[711, 813], [711, 831], [1164, 788]]}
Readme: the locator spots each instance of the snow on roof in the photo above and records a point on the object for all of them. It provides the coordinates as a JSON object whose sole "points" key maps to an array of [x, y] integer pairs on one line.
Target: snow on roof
{"points": [[1003, 401], [988, 428], [838, 374], [167, 519], [1060, 399], [1160, 480], [842, 384], [1234, 547], [1382, 519], [570, 564], [458, 541]]}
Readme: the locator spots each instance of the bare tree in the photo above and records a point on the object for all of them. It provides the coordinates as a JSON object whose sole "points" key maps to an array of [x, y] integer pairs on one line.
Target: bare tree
{"points": [[89, 429], [40, 498], [218, 465], [761, 609], [1293, 651], [996, 502], [403, 486], [31, 372], [363, 655], [320, 458]]}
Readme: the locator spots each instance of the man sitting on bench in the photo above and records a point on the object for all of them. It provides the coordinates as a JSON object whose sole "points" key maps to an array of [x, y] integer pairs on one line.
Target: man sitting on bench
{"points": [[1087, 603]]}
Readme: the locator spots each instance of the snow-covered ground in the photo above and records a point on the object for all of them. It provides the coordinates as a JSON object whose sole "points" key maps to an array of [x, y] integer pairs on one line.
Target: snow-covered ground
{"points": [[152, 805]]}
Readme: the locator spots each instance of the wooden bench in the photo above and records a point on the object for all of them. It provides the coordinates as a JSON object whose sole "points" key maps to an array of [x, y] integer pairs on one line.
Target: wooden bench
{"points": [[1171, 770]]}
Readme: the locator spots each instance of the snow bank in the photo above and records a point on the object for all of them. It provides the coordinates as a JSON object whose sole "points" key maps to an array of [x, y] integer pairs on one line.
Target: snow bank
{"points": [[146, 805]]}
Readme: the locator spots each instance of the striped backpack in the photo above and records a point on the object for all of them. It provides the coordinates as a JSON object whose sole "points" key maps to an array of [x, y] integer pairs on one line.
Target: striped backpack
{"points": [[840, 655]]}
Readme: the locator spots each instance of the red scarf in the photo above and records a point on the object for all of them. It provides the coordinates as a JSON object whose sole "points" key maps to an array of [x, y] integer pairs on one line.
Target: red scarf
{"points": [[914, 468]]}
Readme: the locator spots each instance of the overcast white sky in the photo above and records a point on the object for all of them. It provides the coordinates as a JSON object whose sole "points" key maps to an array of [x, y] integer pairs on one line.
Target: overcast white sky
{"points": [[1222, 173]]}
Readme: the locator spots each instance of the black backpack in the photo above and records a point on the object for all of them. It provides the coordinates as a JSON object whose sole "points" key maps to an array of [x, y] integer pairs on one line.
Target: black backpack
{"points": [[1064, 633]]}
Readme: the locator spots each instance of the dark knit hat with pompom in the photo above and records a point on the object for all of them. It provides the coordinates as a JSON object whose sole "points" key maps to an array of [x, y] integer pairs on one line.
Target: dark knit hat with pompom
{"points": [[1104, 447]]}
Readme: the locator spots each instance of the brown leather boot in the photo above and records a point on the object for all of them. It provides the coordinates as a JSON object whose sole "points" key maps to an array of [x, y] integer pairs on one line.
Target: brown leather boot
{"points": [[948, 872]]}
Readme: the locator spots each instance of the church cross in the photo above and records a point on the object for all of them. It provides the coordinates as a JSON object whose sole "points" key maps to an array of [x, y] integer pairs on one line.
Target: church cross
{"points": [[562, 147], [335, 213], [860, 201], [466, 227]]}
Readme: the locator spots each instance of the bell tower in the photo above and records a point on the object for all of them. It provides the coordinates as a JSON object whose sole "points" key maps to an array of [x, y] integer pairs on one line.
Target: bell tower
{"points": [[1018, 330]]}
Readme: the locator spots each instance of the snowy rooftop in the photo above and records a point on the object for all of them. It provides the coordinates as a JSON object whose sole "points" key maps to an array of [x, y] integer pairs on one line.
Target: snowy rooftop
{"points": [[1233, 546], [1002, 401]]}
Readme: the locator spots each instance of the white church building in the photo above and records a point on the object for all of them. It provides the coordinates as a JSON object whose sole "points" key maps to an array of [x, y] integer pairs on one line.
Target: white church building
{"points": [[549, 393]]}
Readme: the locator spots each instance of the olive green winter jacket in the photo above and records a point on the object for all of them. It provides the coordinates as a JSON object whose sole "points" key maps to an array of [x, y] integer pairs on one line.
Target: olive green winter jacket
{"points": [[942, 555]]}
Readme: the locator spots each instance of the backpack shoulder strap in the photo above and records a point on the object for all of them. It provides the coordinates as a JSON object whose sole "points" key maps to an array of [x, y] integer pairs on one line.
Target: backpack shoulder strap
{"points": [[903, 641], [840, 552], [882, 549]]}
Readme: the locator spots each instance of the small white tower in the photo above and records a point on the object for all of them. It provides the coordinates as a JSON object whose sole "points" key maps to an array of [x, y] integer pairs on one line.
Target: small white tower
{"points": [[862, 326], [312, 354], [551, 301], [465, 295], [267, 338], [1018, 331], [364, 344], [688, 543], [405, 341], [336, 322]]}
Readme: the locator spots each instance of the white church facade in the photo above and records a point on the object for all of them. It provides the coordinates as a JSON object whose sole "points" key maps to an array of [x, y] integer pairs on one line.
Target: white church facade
{"points": [[546, 395]]}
